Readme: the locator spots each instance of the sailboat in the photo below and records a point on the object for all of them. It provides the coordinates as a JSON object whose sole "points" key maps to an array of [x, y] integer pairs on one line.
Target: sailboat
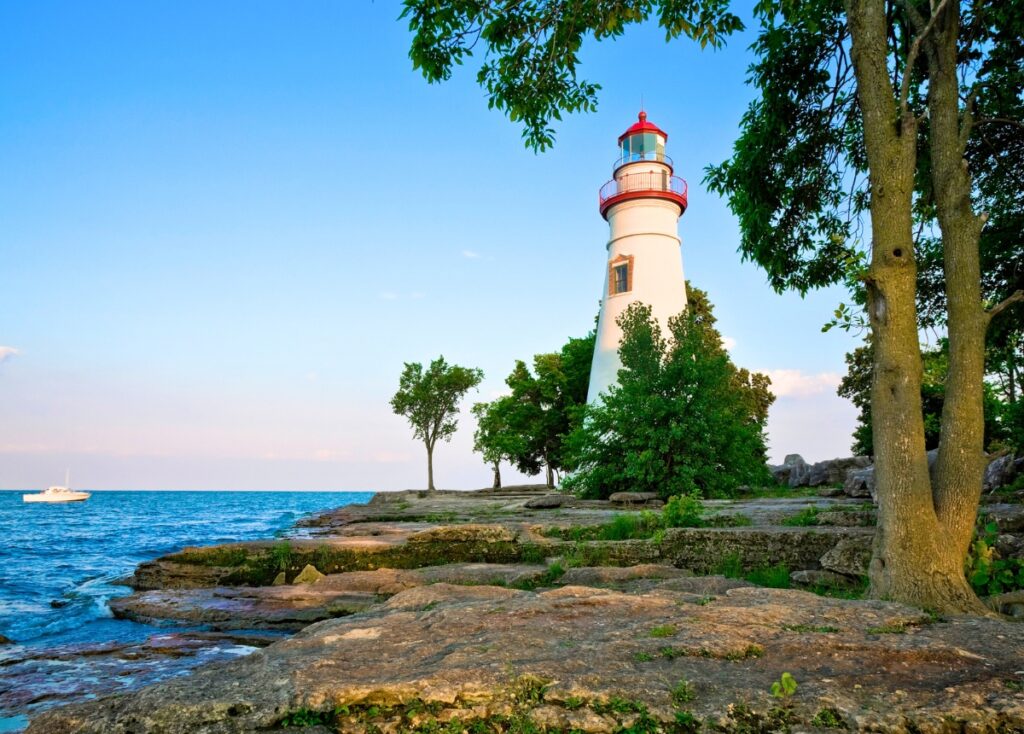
{"points": [[58, 494]]}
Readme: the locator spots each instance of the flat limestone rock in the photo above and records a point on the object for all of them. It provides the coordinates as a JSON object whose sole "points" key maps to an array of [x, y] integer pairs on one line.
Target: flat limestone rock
{"points": [[602, 575], [631, 498], [558, 657]]}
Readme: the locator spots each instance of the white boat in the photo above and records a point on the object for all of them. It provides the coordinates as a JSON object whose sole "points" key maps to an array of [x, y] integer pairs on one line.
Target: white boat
{"points": [[58, 494]]}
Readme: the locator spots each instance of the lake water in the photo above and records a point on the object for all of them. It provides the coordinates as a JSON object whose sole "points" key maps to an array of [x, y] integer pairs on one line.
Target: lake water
{"points": [[58, 562]]}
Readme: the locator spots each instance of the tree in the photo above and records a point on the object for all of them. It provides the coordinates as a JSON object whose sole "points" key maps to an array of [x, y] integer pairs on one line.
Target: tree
{"points": [[430, 401], [682, 418], [856, 387], [545, 404], [494, 438], [851, 94]]}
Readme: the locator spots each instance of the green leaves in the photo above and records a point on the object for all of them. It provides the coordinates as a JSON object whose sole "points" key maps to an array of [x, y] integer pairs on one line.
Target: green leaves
{"points": [[430, 399], [784, 687], [531, 47], [682, 420]]}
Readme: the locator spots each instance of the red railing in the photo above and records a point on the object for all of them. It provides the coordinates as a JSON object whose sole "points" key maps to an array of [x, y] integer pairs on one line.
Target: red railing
{"points": [[657, 184]]}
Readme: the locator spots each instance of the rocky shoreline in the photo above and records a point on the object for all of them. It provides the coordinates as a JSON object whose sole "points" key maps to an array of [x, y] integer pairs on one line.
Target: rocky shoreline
{"points": [[507, 611]]}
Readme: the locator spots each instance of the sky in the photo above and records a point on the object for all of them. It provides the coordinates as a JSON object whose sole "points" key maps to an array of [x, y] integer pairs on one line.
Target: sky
{"points": [[224, 227]]}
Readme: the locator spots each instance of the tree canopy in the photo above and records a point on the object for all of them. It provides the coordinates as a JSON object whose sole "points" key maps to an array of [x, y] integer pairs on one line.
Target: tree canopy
{"points": [[682, 418], [430, 399]]}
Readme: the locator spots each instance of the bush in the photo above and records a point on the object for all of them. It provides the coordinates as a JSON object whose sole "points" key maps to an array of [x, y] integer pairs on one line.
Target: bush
{"points": [[683, 511], [682, 420]]}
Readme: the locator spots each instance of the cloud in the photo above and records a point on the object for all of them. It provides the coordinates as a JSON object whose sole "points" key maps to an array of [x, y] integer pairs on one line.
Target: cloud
{"points": [[8, 352], [728, 342], [389, 296], [797, 384], [471, 254]]}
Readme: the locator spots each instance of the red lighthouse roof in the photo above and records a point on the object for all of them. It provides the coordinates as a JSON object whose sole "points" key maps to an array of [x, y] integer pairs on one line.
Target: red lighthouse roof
{"points": [[642, 126]]}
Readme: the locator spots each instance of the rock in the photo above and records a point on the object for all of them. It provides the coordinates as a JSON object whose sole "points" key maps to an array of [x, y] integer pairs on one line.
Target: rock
{"points": [[469, 533], [498, 574], [1000, 472], [847, 518], [604, 575], [279, 580], [860, 483], [830, 492], [546, 502], [812, 577], [792, 469], [632, 498], [704, 585], [308, 575], [835, 471], [474, 653], [850, 556], [4, 640], [1008, 518]]}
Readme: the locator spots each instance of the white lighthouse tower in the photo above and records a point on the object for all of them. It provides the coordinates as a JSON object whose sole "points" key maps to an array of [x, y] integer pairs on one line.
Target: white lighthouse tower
{"points": [[642, 204]]}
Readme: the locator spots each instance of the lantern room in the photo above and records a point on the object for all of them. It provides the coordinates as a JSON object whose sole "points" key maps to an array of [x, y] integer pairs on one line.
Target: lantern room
{"points": [[643, 141]]}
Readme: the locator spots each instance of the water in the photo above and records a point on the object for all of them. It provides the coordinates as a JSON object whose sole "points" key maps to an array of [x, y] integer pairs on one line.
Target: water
{"points": [[59, 562]]}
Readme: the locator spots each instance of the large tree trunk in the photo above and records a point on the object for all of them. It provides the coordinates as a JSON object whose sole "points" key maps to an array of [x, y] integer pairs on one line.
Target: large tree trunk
{"points": [[912, 560], [497, 476], [960, 465], [549, 476]]}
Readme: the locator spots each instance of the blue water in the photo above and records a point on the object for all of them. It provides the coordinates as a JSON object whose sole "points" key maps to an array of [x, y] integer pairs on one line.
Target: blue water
{"points": [[58, 562]]}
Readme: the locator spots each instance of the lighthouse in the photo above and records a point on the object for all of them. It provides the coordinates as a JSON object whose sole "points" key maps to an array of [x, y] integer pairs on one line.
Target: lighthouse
{"points": [[642, 204]]}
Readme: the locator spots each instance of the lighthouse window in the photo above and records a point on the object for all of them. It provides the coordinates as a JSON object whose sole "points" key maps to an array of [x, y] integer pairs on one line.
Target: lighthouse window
{"points": [[621, 278]]}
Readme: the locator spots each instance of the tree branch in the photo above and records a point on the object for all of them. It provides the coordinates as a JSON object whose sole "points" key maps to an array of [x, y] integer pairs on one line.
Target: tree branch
{"points": [[915, 49], [1017, 297]]}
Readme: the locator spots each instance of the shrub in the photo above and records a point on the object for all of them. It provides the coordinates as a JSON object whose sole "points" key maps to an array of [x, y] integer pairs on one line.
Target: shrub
{"points": [[683, 511]]}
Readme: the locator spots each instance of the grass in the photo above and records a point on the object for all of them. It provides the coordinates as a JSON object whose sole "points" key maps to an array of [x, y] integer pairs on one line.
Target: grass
{"points": [[887, 629], [822, 630], [828, 719], [805, 518], [775, 577], [682, 692], [663, 630]]}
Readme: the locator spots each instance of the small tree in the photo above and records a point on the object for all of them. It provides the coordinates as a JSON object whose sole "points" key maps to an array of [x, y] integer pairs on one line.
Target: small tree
{"points": [[493, 438], [430, 401], [545, 406], [681, 419]]}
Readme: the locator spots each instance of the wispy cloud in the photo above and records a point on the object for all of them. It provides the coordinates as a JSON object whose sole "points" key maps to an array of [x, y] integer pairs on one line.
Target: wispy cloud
{"points": [[389, 296], [798, 384], [472, 255], [8, 352]]}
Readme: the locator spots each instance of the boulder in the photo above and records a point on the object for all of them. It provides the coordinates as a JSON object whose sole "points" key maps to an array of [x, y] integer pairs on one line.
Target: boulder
{"points": [[792, 470], [860, 483], [1007, 517], [279, 580], [308, 575], [546, 502], [4, 640], [835, 471], [850, 556], [1000, 472], [817, 577], [632, 498]]}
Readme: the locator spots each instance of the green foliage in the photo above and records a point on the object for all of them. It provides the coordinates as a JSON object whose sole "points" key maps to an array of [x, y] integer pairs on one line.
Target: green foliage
{"points": [[682, 420], [682, 692], [784, 687], [731, 566], [828, 718], [430, 400], [806, 517], [529, 427], [686, 722], [683, 511], [823, 630], [663, 630], [281, 555], [530, 50], [775, 577], [987, 571], [856, 387]]}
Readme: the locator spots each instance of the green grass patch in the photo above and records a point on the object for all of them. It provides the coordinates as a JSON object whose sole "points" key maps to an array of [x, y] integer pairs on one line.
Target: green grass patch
{"points": [[774, 577], [803, 628], [682, 692], [663, 630], [805, 518]]}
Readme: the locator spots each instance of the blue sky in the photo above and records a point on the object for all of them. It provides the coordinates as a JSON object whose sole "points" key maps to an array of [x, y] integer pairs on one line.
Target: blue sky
{"points": [[225, 226]]}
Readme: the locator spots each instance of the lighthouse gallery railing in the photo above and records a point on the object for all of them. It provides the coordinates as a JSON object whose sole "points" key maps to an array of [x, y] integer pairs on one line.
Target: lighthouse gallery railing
{"points": [[646, 181]]}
